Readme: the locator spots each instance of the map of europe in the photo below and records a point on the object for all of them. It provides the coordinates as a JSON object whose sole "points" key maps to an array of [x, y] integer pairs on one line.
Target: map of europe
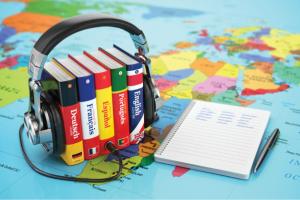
{"points": [[230, 53]]}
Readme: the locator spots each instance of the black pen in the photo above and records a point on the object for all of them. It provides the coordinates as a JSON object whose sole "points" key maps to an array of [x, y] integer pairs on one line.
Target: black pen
{"points": [[270, 143]]}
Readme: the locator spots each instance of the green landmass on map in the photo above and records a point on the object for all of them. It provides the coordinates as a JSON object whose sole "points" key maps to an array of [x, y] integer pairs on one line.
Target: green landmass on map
{"points": [[71, 8], [13, 85]]}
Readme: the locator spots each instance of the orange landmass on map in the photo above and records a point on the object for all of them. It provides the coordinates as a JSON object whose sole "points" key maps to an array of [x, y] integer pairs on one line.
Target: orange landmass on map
{"points": [[264, 66], [206, 66], [148, 148], [31, 22], [297, 52], [170, 52], [237, 48], [184, 45], [244, 102]]}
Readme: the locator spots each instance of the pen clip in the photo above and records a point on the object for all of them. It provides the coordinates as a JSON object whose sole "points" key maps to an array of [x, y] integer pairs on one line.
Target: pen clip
{"points": [[275, 138]]}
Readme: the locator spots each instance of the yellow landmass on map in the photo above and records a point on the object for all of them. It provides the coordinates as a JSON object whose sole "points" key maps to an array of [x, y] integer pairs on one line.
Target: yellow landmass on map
{"points": [[13, 85], [202, 96], [159, 67], [172, 61], [184, 87], [99, 168], [257, 79], [229, 71], [220, 39], [282, 41], [206, 66], [243, 30], [234, 39], [238, 40]]}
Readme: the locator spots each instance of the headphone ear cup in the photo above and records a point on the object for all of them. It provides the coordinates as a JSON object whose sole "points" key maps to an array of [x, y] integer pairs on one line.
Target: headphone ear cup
{"points": [[58, 134], [149, 101], [54, 122]]}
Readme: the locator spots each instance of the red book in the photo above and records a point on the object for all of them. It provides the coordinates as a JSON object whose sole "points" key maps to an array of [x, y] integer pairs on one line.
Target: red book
{"points": [[71, 120], [66, 95]]}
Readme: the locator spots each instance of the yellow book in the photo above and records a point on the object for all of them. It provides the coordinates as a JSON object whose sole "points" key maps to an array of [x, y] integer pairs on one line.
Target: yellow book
{"points": [[105, 117]]}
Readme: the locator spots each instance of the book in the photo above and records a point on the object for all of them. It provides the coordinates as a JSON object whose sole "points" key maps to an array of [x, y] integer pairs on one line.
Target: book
{"points": [[88, 107], [215, 138], [67, 99], [102, 80], [135, 91], [119, 96]]}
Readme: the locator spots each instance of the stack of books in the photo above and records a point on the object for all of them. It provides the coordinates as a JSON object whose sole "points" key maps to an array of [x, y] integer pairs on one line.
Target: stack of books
{"points": [[100, 97]]}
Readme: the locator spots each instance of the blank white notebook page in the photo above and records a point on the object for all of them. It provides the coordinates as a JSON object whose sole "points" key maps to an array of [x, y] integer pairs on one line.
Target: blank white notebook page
{"points": [[216, 138]]}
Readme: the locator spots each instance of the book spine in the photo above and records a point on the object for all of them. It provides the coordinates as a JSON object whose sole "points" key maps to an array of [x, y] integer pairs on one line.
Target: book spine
{"points": [[136, 102], [70, 112], [120, 107], [104, 109], [89, 117]]}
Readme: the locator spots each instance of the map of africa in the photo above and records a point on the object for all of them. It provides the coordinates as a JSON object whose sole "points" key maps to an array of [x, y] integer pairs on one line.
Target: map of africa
{"points": [[232, 52]]}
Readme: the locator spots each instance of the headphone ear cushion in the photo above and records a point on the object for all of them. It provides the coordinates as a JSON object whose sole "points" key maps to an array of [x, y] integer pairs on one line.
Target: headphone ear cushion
{"points": [[48, 122], [58, 133], [149, 101]]}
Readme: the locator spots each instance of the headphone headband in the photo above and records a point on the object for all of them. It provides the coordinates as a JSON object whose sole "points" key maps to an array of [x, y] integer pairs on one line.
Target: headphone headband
{"points": [[43, 122], [67, 27]]}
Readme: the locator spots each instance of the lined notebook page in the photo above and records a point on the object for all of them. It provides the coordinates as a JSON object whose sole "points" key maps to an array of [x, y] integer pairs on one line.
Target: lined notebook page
{"points": [[215, 138]]}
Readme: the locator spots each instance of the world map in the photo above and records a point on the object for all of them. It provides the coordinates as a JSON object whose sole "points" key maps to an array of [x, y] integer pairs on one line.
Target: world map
{"points": [[227, 52]]}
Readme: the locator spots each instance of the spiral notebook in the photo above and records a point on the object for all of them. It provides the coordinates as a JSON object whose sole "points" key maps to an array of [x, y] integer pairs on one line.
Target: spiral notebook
{"points": [[215, 138]]}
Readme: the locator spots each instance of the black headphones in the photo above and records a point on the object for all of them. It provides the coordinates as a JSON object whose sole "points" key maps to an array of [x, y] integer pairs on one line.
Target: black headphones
{"points": [[42, 121]]}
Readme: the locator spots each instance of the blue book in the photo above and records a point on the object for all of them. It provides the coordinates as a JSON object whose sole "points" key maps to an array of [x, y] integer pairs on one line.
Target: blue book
{"points": [[88, 106], [135, 91]]}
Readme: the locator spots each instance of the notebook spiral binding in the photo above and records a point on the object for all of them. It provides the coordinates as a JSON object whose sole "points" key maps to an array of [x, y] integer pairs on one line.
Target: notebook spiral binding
{"points": [[167, 140]]}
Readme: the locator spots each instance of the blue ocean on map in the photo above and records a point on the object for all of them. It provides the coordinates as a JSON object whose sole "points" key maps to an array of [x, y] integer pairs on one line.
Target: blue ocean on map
{"points": [[171, 27]]}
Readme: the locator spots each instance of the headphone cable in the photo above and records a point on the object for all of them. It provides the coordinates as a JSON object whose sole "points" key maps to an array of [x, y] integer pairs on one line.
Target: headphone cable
{"points": [[109, 146]]}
